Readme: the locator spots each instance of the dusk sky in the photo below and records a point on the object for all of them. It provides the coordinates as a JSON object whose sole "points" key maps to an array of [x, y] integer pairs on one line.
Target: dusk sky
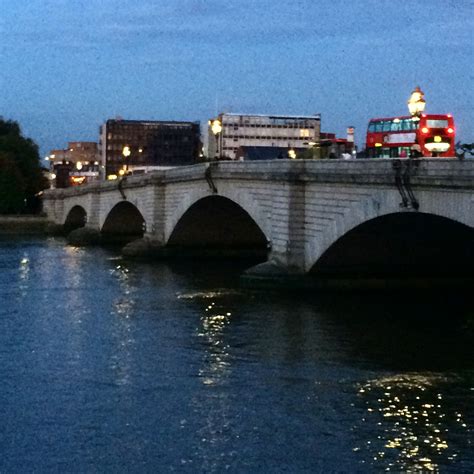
{"points": [[66, 66]]}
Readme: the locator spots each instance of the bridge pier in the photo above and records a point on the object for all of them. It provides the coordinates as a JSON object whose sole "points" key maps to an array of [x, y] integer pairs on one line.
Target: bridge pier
{"points": [[84, 236], [146, 247]]}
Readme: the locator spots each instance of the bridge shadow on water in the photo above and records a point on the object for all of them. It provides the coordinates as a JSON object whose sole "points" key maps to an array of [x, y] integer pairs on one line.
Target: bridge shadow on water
{"points": [[389, 326]]}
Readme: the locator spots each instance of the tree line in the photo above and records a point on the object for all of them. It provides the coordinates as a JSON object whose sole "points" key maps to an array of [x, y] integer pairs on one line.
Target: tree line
{"points": [[21, 175]]}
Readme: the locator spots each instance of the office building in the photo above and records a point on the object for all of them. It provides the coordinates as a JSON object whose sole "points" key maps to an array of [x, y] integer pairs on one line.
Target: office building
{"points": [[129, 146], [229, 132]]}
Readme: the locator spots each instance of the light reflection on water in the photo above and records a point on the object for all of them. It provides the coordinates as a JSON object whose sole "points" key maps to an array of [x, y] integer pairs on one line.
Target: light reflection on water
{"points": [[110, 365], [213, 452], [412, 420], [125, 302], [123, 307], [213, 325]]}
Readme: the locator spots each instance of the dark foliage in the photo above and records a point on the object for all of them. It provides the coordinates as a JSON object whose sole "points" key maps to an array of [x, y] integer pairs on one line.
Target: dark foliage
{"points": [[21, 177]]}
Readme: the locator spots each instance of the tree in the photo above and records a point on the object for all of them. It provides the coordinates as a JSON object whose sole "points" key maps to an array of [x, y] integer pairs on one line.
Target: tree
{"points": [[12, 186], [21, 176]]}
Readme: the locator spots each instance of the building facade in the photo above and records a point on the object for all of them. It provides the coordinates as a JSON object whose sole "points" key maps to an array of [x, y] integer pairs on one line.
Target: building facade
{"points": [[259, 153], [229, 132], [133, 145], [78, 164], [332, 147]]}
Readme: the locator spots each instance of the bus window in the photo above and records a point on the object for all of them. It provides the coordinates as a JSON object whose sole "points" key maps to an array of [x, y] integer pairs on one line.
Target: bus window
{"points": [[372, 127], [387, 126], [396, 126], [407, 125], [379, 126], [437, 123]]}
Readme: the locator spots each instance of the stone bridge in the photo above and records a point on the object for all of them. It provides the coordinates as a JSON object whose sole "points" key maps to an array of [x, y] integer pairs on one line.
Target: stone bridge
{"points": [[315, 217]]}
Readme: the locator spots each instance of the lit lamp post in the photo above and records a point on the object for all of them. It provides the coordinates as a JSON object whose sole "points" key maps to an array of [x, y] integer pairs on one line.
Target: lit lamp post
{"points": [[416, 106], [416, 103], [126, 152], [216, 128]]}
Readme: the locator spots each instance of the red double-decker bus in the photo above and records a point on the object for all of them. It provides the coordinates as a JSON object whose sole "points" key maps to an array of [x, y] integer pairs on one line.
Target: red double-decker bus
{"points": [[396, 137]]}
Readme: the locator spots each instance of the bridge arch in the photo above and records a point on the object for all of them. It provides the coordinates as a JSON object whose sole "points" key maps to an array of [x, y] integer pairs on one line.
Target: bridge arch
{"points": [[401, 244], [243, 200], [108, 205], [123, 223], [75, 218], [216, 222], [382, 203]]}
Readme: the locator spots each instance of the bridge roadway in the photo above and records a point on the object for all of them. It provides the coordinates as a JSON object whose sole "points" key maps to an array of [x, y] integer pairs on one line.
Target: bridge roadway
{"points": [[303, 217]]}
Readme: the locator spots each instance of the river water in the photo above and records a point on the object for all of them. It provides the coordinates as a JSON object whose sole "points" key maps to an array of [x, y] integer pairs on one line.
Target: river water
{"points": [[109, 365]]}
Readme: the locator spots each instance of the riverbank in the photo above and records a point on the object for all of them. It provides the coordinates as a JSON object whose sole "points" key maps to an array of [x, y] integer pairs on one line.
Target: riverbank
{"points": [[23, 224]]}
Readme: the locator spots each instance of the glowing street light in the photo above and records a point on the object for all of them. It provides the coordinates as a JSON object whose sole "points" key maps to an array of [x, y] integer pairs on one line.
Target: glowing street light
{"points": [[126, 152], [416, 102], [216, 128]]}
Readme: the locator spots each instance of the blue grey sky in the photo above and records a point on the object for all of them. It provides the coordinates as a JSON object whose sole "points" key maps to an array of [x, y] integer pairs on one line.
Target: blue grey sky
{"points": [[68, 65]]}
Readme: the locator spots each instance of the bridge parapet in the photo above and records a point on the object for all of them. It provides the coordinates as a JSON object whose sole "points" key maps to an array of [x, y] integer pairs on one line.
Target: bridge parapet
{"points": [[432, 172]]}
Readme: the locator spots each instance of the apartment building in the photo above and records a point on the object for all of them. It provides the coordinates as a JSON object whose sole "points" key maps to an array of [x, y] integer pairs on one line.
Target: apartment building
{"points": [[229, 132]]}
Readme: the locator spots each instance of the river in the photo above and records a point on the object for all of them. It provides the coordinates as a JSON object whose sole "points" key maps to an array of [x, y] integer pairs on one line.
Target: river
{"points": [[109, 365]]}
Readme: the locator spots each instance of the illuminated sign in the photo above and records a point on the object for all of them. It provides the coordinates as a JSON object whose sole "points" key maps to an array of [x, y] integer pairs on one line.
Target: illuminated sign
{"points": [[400, 138], [76, 180], [437, 147]]}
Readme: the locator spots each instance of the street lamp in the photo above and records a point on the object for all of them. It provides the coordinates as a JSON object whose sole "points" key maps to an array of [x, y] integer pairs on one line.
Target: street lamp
{"points": [[126, 152], [416, 102], [216, 128]]}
